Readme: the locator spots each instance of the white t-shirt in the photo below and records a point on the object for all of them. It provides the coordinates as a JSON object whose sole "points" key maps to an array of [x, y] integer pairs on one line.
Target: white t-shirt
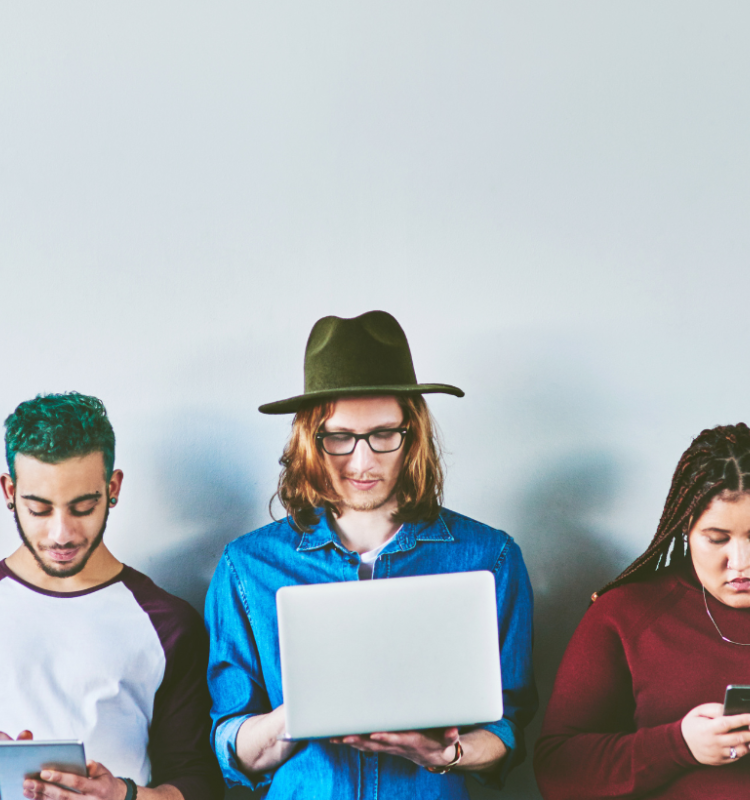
{"points": [[119, 666], [368, 559]]}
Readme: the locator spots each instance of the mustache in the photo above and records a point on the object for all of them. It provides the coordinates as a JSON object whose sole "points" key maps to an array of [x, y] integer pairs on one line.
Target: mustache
{"points": [[68, 546]]}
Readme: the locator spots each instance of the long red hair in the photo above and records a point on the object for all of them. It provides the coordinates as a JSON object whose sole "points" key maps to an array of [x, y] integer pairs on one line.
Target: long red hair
{"points": [[304, 484]]}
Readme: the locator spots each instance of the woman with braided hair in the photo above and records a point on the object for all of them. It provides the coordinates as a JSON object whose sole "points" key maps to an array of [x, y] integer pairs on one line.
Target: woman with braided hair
{"points": [[635, 711]]}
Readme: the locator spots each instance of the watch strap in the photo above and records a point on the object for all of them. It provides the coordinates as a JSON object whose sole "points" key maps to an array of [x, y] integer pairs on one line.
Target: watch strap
{"points": [[449, 766], [131, 787]]}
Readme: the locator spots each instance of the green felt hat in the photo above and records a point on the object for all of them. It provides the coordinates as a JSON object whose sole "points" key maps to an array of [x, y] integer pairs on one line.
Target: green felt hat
{"points": [[365, 355]]}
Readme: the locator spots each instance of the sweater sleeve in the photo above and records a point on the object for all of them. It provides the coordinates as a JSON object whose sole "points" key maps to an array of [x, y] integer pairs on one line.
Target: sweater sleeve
{"points": [[589, 747]]}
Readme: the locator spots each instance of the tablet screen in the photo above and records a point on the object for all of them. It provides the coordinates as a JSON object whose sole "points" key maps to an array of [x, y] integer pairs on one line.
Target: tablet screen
{"points": [[26, 759]]}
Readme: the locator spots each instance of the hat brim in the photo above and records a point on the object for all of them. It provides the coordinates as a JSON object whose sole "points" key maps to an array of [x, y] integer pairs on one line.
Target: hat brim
{"points": [[293, 404]]}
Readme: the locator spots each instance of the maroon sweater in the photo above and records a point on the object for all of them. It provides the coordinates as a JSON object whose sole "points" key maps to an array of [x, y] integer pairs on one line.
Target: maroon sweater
{"points": [[643, 656]]}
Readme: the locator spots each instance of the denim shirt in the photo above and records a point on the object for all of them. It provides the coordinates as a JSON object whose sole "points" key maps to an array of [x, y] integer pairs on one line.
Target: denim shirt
{"points": [[244, 671]]}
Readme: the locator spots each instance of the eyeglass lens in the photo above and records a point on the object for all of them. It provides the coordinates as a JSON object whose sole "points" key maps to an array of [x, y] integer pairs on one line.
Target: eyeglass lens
{"points": [[341, 444]]}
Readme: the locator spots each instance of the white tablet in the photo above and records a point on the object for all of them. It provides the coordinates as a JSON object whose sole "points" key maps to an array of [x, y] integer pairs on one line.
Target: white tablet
{"points": [[26, 759], [389, 655]]}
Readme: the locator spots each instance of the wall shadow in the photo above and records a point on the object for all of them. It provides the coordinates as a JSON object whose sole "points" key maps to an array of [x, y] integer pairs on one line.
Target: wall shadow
{"points": [[204, 467], [568, 556]]}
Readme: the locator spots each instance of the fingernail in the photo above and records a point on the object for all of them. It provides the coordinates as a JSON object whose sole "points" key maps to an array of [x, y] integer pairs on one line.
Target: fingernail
{"points": [[45, 774]]}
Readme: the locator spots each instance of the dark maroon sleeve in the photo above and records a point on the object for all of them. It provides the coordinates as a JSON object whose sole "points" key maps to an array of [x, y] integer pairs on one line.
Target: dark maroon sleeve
{"points": [[179, 746], [589, 747]]}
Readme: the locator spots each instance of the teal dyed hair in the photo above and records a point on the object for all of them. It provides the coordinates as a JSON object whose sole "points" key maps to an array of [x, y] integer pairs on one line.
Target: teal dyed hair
{"points": [[55, 427]]}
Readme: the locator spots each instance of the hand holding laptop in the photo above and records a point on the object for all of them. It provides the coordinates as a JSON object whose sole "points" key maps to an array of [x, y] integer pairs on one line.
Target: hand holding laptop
{"points": [[432, 748], [436, 666]]}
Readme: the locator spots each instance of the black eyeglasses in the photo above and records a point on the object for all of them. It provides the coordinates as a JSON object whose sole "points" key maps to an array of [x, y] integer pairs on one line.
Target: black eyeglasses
{"points": [[340, 443]]}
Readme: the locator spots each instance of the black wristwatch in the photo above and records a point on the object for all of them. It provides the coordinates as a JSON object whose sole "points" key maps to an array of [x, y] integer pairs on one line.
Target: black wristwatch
{"points": [[131, 787]]}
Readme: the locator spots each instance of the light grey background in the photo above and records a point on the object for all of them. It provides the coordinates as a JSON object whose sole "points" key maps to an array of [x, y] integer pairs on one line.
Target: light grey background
{"points": [[553, 199]]}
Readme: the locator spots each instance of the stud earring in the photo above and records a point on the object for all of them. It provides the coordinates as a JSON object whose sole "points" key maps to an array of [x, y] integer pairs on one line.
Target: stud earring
{"points": [[11, 506], [113, 501]]}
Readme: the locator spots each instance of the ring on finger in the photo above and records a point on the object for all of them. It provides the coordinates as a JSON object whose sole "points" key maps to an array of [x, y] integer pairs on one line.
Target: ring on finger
{"points": [[732, 753]]}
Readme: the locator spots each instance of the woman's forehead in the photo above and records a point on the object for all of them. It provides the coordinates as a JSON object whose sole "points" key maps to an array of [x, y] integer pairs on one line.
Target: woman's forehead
{"points": [[729, 506]]}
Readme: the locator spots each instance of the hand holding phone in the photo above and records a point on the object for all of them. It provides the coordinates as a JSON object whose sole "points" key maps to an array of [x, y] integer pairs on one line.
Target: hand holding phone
{"points": [[737, 700], [714, 738]]}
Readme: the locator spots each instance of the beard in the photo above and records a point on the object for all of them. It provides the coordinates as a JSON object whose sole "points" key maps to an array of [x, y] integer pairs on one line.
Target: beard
{"points": [[365, 501], [366, 504], [63, 571]]}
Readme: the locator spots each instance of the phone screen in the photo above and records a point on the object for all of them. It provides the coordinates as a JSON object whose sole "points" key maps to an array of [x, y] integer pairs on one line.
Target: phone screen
{"points": [[737, 700]]}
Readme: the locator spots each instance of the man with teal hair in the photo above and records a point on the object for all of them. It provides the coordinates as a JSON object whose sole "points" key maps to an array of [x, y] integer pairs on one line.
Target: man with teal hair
{"points": [[53, 429], [92, 649]]}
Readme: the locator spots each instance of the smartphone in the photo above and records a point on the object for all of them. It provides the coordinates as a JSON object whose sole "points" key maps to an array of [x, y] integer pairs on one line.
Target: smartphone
{"points": [[736, 700], [27, 758]]}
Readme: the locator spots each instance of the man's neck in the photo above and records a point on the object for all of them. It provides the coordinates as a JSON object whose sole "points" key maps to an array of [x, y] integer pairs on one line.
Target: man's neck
{"points": [[361, 531], [100, 568]]}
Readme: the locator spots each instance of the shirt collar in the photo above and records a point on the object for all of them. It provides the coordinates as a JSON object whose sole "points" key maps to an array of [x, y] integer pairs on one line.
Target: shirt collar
{"points": [[407, 538], [321, 535]]}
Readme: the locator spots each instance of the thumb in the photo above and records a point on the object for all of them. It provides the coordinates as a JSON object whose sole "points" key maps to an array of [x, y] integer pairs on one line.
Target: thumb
{"points": [[450, 736], [95, 769]]}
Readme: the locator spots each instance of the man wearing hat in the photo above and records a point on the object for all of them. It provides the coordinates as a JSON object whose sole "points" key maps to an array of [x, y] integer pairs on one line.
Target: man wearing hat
{"points": [[362, 487]]}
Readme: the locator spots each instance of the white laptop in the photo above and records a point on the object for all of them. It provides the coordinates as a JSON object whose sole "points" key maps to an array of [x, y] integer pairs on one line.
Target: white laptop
{"points": [[389, 655]]}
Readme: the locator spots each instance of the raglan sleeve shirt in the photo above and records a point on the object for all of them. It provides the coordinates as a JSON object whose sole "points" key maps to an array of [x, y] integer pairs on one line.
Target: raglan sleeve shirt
{"points": [[129, 680], [178, 742]]}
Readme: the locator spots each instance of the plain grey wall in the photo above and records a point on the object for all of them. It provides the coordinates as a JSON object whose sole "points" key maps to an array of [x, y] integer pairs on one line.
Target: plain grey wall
{"points": [[552, 198]]}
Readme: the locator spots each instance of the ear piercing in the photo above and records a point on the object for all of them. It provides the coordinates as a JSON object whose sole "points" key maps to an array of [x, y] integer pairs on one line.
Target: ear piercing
{"points": [[113, 501], [11, 506]]}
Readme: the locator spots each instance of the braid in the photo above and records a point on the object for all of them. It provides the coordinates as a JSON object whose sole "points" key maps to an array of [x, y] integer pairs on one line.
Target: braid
{"points": [[717, 461]]}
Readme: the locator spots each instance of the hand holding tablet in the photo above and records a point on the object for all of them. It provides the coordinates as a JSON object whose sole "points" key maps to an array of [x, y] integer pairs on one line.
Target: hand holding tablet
{"points": [[27, 765], [24, 735]]}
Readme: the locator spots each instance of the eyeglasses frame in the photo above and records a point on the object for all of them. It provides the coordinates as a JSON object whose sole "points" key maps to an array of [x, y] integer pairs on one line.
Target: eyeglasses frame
{"points": [[320, 437]]}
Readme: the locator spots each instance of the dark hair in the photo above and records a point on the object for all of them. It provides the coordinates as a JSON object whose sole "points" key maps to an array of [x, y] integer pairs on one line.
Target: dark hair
{"points": [[54, 427], [716, 463], [304, 485]]}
